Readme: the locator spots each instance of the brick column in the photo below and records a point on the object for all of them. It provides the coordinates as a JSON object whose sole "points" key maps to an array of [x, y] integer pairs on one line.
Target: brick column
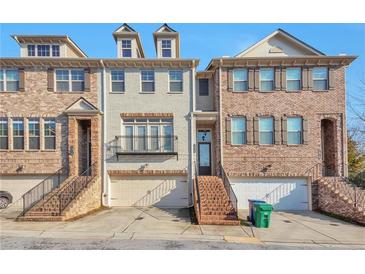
{"points": [[95, 142]]}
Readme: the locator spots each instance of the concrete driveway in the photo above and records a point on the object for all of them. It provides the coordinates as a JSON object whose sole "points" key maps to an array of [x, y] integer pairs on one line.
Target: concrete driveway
{"points": [[297, 228]]}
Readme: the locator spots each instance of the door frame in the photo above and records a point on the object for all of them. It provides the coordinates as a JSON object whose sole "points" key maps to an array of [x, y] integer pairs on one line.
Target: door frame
{"points": [[210, 148]]}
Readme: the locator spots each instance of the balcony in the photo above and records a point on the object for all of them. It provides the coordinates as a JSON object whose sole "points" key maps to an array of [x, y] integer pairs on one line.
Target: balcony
{"points": [[145, 145]]}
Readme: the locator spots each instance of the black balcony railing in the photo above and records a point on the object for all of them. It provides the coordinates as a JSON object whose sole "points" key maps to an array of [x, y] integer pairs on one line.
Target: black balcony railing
{"points": [[139, 145]]}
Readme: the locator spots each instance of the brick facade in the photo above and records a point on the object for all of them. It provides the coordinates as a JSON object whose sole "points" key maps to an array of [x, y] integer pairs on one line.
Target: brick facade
{"points": [[281, 159], [37, 101]]}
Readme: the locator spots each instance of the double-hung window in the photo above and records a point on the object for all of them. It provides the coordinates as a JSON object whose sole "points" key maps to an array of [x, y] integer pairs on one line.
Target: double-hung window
{"points": [[148, 80], [70, 80], [203, 87], [240, 83], [43, 50], [9, 80], [49, 133], [320, 78], [31, 50], [126, 48], [55, 50], [33, 128], [18, 133], [293, 79], [266, 130], [295, 130], [176, 80], [117, 77], [266, 79], [238, 131], [166, 48], [3, 133]]}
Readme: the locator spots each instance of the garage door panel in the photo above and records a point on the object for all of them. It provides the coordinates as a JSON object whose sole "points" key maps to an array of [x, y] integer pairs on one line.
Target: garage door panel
{"points": [[161, 192], [282, 193]]}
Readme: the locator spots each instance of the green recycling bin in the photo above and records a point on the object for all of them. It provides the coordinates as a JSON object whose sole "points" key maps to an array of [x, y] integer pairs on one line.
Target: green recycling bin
{"points": [[262, 215]]}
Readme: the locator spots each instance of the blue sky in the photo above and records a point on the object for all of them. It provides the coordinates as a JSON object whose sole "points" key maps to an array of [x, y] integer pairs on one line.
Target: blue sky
{"points": [[205, 41]]}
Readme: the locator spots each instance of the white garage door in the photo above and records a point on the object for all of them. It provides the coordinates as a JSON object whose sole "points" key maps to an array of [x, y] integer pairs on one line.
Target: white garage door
{"points": [[282, 193], [168, 192]]}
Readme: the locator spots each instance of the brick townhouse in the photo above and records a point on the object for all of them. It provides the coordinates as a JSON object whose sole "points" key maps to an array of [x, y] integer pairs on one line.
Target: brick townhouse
{"points": [[77, 132]]}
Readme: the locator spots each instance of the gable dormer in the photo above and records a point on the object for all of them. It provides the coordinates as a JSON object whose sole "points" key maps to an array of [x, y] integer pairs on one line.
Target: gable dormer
{"points": [[167, 42], [128, 42], [280, 43], [48, 46]]}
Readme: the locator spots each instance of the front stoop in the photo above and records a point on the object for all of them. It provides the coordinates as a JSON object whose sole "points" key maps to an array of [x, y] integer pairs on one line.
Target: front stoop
{"points": [[215, 206], [47, 210]]}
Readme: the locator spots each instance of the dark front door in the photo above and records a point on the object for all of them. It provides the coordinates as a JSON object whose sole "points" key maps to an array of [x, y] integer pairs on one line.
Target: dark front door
{"points": [[204, 159]]}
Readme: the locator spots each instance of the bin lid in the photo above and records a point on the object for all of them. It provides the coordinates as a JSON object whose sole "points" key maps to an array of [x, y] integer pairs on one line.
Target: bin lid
{"points": [[263, 207], [256, 201]]}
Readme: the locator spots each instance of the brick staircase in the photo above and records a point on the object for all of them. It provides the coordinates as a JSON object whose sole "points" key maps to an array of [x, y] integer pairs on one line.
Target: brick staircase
{"points": [[215, 207], [337, 196], [74, 197]]}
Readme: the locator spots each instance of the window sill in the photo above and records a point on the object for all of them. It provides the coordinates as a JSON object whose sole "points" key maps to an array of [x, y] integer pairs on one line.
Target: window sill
{"points": [[238, 145], [324, 90], [175, 92], [69, 92], [114, 92], [48, 150], [240, 91], [9, 92], [293, 91], [146, 92], [267, 91]]}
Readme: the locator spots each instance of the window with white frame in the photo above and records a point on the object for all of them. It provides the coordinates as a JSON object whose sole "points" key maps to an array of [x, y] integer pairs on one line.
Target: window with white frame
{"points": [[240, 83], [148, 80], [295, 130], [176, 80], [266, 130], [4, 133], [266, 79], [147, 135], [31, 50], [49, 133], [70, 80], [34, 137], [126, 48], [55, 50], [9, 80], [117, 78], [43, 50], [18, 133], [238, 130], [320, 78], [293, 79], [166, 48]]}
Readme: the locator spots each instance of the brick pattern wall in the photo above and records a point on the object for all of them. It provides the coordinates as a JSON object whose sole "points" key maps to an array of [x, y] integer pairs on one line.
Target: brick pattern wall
{"points": [[36, 101], [283, 160]]}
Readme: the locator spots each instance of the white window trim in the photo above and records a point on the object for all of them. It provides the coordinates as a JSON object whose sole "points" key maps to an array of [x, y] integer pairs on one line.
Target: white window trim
{"points": [[50, 120], [3, 71], [273, 130], [123, 48], [273, 80], [149, 81], [50, 50], [243, 69], [301, 131], [34, 136], [176, 81], [5, 121], [69, 81], [147, 124], [300, 80], [170, 48], [18, 120], [239, 131], [327, 79], [116, 81]]}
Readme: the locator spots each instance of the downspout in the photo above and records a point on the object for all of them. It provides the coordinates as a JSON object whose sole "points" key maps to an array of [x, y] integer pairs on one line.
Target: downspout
{"points": [[105, 194], [192, 134], [220, 111]]}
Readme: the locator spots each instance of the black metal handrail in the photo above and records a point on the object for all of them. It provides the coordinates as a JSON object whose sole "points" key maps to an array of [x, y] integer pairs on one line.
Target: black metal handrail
{"points": [[69, 193], [227, 185], [196, 191], [40, 191], [146, 144]]}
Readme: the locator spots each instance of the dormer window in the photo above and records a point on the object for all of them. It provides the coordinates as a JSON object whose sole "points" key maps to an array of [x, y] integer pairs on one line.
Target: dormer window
{"points": [[56, 50], [43, 50], [126, 48], [31, 50], [166, 48]]}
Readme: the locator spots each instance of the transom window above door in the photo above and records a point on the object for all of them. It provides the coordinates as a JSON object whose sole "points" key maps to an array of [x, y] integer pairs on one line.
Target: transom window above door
{"points": [[204, 136]]}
